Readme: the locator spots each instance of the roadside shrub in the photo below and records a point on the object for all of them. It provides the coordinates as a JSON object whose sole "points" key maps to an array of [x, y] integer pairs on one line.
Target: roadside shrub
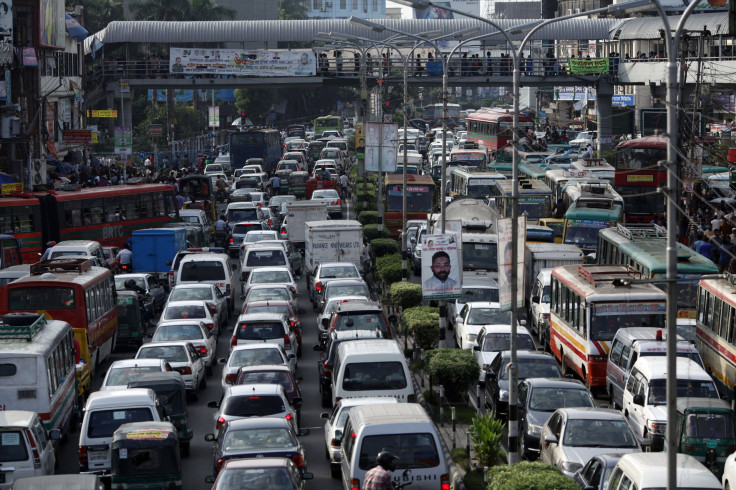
{"points": [[370, 232], [454, 369], [486, 433], [528, 476], [390, 272], [358, 186], [365, 196], [384, 246], [423, 322], [368, 217], [370, 206], [387, 260], [405, 294]]}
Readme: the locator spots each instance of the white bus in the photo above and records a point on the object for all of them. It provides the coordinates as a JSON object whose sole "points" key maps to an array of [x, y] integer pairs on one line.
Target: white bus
{"points": [[37, 368], [588, 305], [467, 182]]}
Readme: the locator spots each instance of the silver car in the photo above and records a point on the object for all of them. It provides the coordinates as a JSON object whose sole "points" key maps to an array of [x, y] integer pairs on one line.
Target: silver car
{"points": [[329, 196], [204, 292], [195, 332]]}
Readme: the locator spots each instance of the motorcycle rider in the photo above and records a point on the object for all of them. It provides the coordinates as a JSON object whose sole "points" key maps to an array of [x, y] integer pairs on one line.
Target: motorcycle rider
{"points": [[379, 477], [124, 259], [142, 297], [221, 188], [221, 231]]}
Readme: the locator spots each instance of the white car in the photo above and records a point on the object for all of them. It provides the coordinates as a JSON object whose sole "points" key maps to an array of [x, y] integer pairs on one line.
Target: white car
{"points": [[254, 355], [329, 307], [120, 373], [271, 275], [335, 423], [266, 292], [195, 332], [477, 286], [204, 292], [473, 317], [255, 400], [331, 198], [214, 168], [261, 328], [494, 339], [191, 310], [183, 358], [224, 160], [572, 436]]}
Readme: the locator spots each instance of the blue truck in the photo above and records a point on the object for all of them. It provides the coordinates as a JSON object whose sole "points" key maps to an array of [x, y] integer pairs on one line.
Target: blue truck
{"points": [[155, 248]]}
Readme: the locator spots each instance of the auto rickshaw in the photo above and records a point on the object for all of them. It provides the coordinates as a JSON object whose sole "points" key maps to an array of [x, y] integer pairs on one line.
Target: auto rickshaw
{"points": [[171, 393], [146, 455], [298, 184], [130, 325], [706, 430], [314, 150], [198, 188], [283, 176]]}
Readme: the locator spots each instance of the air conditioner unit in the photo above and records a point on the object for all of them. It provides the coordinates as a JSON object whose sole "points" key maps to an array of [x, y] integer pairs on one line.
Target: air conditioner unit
{"points": [[569, 11], [38, 172], [328, 4], [577, 11]]}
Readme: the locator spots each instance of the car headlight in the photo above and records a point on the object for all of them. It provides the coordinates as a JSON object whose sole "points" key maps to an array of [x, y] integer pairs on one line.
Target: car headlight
{"points": [[570, 467], [534, 430], [470, 337], [656, 427], [503, 395]]}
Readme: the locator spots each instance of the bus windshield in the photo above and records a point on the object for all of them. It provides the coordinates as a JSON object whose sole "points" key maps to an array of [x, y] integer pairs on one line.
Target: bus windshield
{"points": [[247, 138], [50, 298], [534, 207], [582, 236], [419, 198], [480, 188], [469, 159], [607, 318], [479, 256]]}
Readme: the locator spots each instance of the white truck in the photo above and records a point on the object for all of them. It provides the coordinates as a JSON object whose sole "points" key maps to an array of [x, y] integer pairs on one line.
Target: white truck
{"points": [[332, 241], [539, 256], [298, 213]]}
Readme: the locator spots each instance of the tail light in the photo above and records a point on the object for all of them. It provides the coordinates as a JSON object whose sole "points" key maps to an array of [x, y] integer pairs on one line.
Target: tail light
{"points": [[354, 484], [231, 240], [289, 417], [318, 286], [411, 399], [220, 462], [212, 308], [244, 275], [270, 222], [233, 341], [293, 289], [445, 481], [259, 205], [210, 326], [339, 203], [184, 370], [34, 449], [171, 278], [83, 461], [230, 379], [298, 460], [202, 350], [227, 288], [220, 421], [287, 342], [292, 324], [338, 398]]}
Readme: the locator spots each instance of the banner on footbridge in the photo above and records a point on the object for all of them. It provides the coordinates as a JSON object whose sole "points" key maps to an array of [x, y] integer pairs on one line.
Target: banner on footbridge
{"points": [[257, 63]]}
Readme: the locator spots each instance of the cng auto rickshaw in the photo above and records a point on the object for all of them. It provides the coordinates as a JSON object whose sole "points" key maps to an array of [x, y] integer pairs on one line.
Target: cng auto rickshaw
{"points": [[314, 150], [706, 430], [198, 189], [146, 455], [298, 184], [283, 176], [130, 325], [171, 393]]}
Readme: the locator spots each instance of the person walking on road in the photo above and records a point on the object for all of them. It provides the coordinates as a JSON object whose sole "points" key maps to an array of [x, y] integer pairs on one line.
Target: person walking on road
{"points": [[274, 183]]}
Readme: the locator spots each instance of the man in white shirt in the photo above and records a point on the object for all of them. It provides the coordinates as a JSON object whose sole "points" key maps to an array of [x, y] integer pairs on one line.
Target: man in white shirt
{"points": [[344, 185], [440, 279]]}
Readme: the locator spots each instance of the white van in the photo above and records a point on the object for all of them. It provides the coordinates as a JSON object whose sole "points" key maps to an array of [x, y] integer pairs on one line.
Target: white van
{"points": [[198, 217], [209, 268], [629, 344], [403, 429], [375, 367], [649, 470], [25, 447], [75, 248], [644, 398], [104, 412]]}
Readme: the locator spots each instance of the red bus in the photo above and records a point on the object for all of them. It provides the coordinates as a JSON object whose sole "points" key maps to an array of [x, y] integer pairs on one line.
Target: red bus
{"points": [[74, 291], [493, 128], [638, 175], [105, 214], [421, 199]]}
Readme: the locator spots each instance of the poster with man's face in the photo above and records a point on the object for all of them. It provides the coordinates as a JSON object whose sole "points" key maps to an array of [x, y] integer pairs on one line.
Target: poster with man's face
{"points": [[441, 268], [505, 263]]}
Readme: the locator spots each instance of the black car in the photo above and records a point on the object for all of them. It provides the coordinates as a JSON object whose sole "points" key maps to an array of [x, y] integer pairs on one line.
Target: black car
{"points": [[538, 399], [530, 364], [595, 473], [257, 437]]}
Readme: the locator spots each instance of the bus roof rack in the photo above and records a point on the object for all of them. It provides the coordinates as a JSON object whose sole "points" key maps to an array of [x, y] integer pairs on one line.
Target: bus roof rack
{"points": [[632, 232], [618, 278], [21, 326], [79, 266]]}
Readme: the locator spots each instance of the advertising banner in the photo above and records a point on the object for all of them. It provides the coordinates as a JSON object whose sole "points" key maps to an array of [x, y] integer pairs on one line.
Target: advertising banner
{"points": [[505, 266], [380, 146], [254, 63], [359, 141], [435, 12], [6, 32], [588, 67], [77, 136], [123, 140], [441, 267], [214, 116]]}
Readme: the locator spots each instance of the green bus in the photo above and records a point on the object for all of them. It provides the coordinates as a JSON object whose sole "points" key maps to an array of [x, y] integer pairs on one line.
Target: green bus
{"points": [[589, 208], [327, 123]]}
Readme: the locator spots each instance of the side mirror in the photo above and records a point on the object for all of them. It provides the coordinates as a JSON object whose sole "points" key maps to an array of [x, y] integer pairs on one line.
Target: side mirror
{"points": [[292, 356], [55, 434], [296, 401], [303, 432], [325, 322], [307, 476], [338, 435], [169, 262], [233, 266], [209, 437], [324, 415], [222, 360], [317, 348], [168, 410], [639, 400], [210, 479], [491, 375], [550, 439], [213, 404], [535, 299], [458, 319], [476, 348]]}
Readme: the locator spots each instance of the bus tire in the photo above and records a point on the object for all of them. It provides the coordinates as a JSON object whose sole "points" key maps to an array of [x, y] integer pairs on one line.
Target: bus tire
{"points": [[185, 447]]}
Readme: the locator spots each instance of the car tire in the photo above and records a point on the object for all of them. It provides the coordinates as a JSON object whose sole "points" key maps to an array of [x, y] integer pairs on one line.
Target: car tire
{"points": [[326, 399], [335, 471], [209, 369], [185, 448], [202, 383]]}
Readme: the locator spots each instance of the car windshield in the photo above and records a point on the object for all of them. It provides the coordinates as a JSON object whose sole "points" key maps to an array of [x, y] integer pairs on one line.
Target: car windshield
{"points": [[326, 194], [272, 478], [267, 377], [488, 316], [243, 229], [260, 331], [252, 237], [250, 439], [533, 368], [255, 357], [12, 446], [480, 256], [281, 309], [170, 353], [264, 258], [104, 423], [709, 425], [549, 399], [371, 376], [370, 321], [598, 433], [175, 312], [269, 277], [253, 405], [475, 293], [685, 388], [172, 333], [191, 294], [339, 272], [266, 293], [496, 342], [351, 290], [123, 375], [120, 282], [202, 270]]}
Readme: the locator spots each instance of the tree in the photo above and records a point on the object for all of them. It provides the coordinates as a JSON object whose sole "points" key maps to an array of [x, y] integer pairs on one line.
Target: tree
{"points": [[180, 10], [99, 13], [292, 10]]}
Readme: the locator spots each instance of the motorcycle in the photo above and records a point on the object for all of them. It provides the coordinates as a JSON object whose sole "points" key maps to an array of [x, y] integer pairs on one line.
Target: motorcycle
{"points": [[221, 195], [221, 238]]}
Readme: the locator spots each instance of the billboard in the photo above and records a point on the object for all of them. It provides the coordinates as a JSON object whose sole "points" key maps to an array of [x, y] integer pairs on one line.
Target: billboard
{"points": [[505, 264], [123, 140], [255, 63], [441, 268], [52, 27], [6, 32], [380, 146], [435, 12]]}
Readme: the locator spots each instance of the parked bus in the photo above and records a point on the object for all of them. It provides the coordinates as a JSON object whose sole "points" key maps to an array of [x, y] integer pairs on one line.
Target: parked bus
{"points": [[468, 182], [37, 367], [589, 208], [534, 197], [74, 291], [716, 331], [327, 123], [588, 305], [104, 214], [420, 199], [638, 174], [644, 248], [433, 115], [493, 128], [255, 143]]}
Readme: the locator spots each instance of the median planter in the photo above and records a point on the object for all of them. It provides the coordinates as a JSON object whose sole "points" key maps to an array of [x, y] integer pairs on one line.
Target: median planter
{"points": [[368, 217], [454, 369], [405, 295], [383, 246], [423, 322], [529, 476]]}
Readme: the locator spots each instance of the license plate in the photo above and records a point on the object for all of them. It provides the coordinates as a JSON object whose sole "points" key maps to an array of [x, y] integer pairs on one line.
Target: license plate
{"points": [[97, 455], [711, 443]]}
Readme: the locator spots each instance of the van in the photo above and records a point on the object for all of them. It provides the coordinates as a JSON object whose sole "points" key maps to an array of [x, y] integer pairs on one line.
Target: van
{"points": [[649, 470], [71, 248], [25, 446], [629, 344], [644, 397], [341, 144], [198, 217], [403, 429], [104, 413], [297, 156], [374, 367], [209, 268]]}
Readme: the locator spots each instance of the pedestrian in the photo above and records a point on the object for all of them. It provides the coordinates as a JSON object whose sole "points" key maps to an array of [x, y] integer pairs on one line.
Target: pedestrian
{"points": [[725, 253], [274, 183], [418, 66], [344, 185]]}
